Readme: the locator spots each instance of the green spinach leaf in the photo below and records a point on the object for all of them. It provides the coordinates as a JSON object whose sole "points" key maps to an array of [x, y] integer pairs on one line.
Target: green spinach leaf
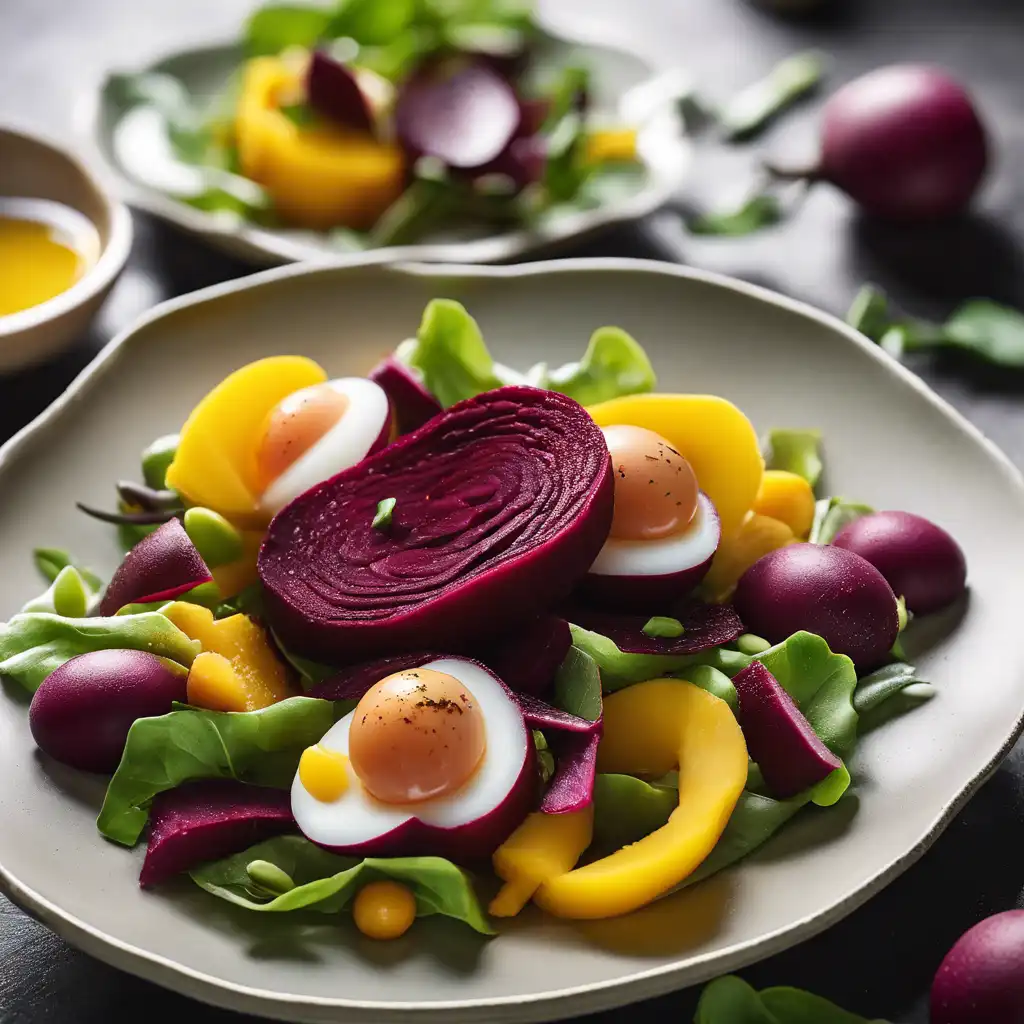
{"points": [[796, 451], [35, 644], [758, 211], [730, 1000], [831, 515], [261, 747], [626, 809], [327, 883], [276, 27], [578, 686], [985, 329]]}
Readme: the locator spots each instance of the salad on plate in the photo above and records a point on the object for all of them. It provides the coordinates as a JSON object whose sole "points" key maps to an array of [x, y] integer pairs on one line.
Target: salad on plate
{"points": [[453, 638], [377, 124]]}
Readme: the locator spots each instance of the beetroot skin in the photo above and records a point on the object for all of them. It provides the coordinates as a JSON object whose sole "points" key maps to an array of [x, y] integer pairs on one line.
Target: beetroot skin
{"points": [[332, 90], [411, 403], [503, 502], [704, 626], [981, 980], [825, 590], [791, 756], [920, 561], [528, 660], [204, 821], [162, 566], [81, 713]]}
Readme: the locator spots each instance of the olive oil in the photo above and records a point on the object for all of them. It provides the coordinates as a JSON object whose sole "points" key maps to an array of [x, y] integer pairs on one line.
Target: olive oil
{"points": [[45, 248]]}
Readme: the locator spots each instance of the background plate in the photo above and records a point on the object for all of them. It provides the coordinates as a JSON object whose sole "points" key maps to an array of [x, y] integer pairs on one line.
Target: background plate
{"points": [[621, 91], [890, 442]]}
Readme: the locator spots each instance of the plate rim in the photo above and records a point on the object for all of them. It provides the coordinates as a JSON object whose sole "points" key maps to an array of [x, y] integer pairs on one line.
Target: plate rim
{"points": [[580, 999], [255, 244]]}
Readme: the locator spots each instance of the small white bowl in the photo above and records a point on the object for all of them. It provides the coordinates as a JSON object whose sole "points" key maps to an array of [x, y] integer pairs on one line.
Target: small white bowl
{"points": [[33, 168]]}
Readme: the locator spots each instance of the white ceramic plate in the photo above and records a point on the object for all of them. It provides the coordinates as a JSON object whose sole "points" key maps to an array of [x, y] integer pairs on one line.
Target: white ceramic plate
{"points": [[625, 89], [890, 442]]}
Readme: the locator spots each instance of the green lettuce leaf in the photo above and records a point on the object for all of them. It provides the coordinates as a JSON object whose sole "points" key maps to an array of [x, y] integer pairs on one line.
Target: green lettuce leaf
{"points": [[577, 686], [35, 644], [276, 27], [327, 883], [822, 685], [796, 451], [626, 809], [619, 669], [831, 515], [730, 1000], [50, 561], [614, 364], [260, 747]]}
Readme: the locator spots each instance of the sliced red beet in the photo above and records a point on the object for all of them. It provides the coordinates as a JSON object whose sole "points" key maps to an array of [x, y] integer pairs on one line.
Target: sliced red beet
{"points": [[161, 567], [791, 756], [704, 626], [528, 660], [204, 821], [463, 113], [411, 403], [502, 503], [333, 91]]}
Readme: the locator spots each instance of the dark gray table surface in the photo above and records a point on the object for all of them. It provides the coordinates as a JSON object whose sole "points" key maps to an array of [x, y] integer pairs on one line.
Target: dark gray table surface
{"points": [[880, 960]]}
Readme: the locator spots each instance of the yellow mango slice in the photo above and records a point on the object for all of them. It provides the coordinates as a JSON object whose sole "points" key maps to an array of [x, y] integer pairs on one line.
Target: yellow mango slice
{"points": [[787, 497], [736, 554], [258, 677], [656, 726], [215, 464], [214, 684], [710, 433], [544, 846], [318, 176]]}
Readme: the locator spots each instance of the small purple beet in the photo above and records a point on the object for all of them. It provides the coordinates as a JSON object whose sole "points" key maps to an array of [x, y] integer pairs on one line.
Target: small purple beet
{"points": [[161, 567], [981, 980], [81, 713], [204, 821], [333, 91], [791, 756], [463, 113], [825, 590], [921, 561], [411, 403]]}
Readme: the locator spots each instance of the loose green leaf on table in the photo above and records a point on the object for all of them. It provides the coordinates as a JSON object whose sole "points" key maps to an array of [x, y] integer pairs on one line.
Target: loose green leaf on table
{"points": [[796, 451], [50, 561], [754, 213], [38, 643], [985, 329], [790, 80], [869, 313], [577, 686], [261, 747], [730, 1000], [619, 668], [831, 515], [327, 883]]}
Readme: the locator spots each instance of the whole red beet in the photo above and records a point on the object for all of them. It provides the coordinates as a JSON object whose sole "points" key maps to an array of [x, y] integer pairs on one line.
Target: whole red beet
{"points": [[81, 713], [921, 561], [981, 980]]}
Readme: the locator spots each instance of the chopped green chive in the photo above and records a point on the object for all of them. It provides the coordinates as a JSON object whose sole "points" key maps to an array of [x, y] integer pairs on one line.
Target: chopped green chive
{"points": [[662, 626], [385, 509]]}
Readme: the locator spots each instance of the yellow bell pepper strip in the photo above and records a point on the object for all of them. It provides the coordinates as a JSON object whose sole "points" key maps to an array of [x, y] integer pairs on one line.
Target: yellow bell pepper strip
{"points": [[543, 847], [215, 464], [611, 145], [787, 497], [756, 537], [242, 671], [651, 728], [319, 176], [709, 432]]}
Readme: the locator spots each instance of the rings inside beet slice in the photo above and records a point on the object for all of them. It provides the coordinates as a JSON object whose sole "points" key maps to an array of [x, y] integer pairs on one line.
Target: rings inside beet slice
{"points": [[501, 504]]}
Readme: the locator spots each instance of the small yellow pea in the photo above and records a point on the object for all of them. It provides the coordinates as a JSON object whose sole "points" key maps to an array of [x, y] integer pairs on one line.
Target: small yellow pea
{"points": [[384, 910]]}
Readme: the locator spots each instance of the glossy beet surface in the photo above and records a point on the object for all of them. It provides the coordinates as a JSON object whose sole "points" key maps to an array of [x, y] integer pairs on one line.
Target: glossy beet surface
{"points": [[161, 567], [981, 980], [82, 712], [502, 504], [921, 561], [791, 756], [332, 90], [204, 821], [905, 142], [411, 403], [824, 590]]}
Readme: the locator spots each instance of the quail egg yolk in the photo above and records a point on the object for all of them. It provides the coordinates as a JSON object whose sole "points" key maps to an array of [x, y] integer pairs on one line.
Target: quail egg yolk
{"points": [[655, 487], [294, 425], [323, 773], [415, 735]]}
